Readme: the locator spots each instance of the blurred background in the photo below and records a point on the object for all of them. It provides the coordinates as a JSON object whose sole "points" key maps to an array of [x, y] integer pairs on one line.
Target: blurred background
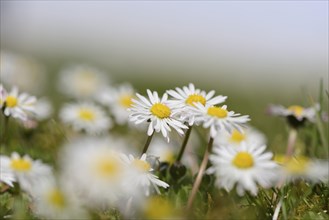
{"points": [[255, 52]]}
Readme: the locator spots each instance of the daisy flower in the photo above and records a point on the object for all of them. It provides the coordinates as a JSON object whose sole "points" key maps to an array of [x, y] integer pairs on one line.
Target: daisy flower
{"points": [[245, 166], [300, 167], [53, 200], [24, 170], [80, 81], [142, 175], [96, 170], [218, 118], [17, 105], [160, 114], [118, 100], [295, 114], [165, 151], [188, 96], [43, 109], [85, 116], [249, 135]]}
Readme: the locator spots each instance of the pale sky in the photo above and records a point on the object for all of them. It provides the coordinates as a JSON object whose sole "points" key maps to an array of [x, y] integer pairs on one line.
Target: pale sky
{"points": [[245, 43]]}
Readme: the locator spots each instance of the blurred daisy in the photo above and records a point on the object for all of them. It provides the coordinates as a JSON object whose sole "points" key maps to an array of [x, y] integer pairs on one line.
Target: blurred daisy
{"points": [[26, 171], [17, 105], [80, 81], [248, 135], [246, 166], [158, 112], [188, 96], [22, 72], [52, 200], [43, 109], [164, 150], [300, 167], [218, 118], [295, 114], [85, 117], [96, 170], [142, 175], [118, 100]]}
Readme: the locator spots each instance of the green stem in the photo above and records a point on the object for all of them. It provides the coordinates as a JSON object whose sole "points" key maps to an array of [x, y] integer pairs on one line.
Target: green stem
{"points": [[198, 179], [147, 144], [182, 149]]}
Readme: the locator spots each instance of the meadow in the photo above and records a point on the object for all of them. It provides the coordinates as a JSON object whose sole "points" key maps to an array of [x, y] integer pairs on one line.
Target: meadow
{"points": [[80, 145]]}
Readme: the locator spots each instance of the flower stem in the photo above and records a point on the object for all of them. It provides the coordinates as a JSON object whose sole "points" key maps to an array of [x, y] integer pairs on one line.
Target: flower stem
{"points": [[198, 179], [291, 143], [182, 149], [147, 144]]}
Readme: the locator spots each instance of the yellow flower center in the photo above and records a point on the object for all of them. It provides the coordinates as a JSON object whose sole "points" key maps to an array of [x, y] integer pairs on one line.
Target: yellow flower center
{"points": [[21, 165], [217, 112], [126, 101], [108, 167], [86, 114], [56, 198], [158, 208], [11, 101], [243, 160], [160, 110], [237, 137], [195, 98], [294, 165], [296, 109], [141, 165]]}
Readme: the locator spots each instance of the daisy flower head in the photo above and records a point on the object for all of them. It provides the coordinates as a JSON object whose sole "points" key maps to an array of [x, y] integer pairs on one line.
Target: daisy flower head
{"points": [[142, 175], [245, 166], [188, 96], [85, 116], [296, 115], [249, 135], [118, 99], [56, 200], [164, 150], [301, 167], [17, 105], [160, 114], [218, 118], [81, 81], [24, 170], [95, 168]]}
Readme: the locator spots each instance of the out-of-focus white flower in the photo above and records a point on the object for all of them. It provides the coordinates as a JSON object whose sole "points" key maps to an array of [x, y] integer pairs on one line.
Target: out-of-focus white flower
{"points": [[300, 167], [43, 109], [158, 112], [245, 166], [96, 170], [17, 105], [218, 118], [56, 200], [141, 175], [26, 171], [23, 72], [162, 149], [81, 81], [298, 112], [85, 117], [118, 99], [248, 135], [188, 96]]}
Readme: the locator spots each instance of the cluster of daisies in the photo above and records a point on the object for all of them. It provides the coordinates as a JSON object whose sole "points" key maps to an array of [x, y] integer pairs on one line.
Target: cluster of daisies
{"points": [[98, 169]]}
